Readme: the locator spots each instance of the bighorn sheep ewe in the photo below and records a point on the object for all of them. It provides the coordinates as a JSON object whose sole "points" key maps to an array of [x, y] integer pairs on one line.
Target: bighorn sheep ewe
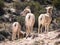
{"points": [[29, 20], [16, 28], [44, 20]]}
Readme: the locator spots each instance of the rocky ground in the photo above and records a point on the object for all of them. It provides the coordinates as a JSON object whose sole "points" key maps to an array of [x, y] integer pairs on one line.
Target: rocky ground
{"points": [[50, 38]]}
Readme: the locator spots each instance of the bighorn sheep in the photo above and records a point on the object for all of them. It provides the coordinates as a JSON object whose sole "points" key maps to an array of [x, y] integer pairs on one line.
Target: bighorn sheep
{"points": [[16, 28], [29, 20], [44, 20]]}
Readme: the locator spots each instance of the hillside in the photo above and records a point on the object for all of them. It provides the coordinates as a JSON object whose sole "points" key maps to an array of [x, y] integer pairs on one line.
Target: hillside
{"points": [[10, 11]]}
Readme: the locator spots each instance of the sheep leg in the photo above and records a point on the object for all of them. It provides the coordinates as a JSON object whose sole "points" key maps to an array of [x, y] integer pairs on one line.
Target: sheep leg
{"points": [[41, 29], [32, 29], [45, 28], [27, 31], [13, 36], [18, 34]]}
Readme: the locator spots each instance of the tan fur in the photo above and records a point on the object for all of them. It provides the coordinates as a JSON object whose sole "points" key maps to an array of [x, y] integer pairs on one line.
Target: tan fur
{"points": [[16, 30], [45, 21], [25, 11], [29, 20]]}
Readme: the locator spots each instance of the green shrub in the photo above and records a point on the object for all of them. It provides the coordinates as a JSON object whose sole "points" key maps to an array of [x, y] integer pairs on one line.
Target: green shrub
{"points": [[58, 19], [56, 3], [21, 20], [1, 3], [34, 5]]}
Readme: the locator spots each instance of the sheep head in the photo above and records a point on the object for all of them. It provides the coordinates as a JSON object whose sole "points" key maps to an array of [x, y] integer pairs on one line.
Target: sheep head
{"points": [[49, 9], [25, 11]]}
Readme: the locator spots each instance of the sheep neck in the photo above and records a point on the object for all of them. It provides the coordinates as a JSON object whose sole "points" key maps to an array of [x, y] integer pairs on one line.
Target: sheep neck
{"points": [[49, 14]]}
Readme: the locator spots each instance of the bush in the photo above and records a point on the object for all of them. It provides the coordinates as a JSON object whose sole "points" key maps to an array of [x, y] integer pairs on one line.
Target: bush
{"points": [[21, 20], [1, 3], [56, 3], [35, 6], [1, 7], [58, 19]]}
